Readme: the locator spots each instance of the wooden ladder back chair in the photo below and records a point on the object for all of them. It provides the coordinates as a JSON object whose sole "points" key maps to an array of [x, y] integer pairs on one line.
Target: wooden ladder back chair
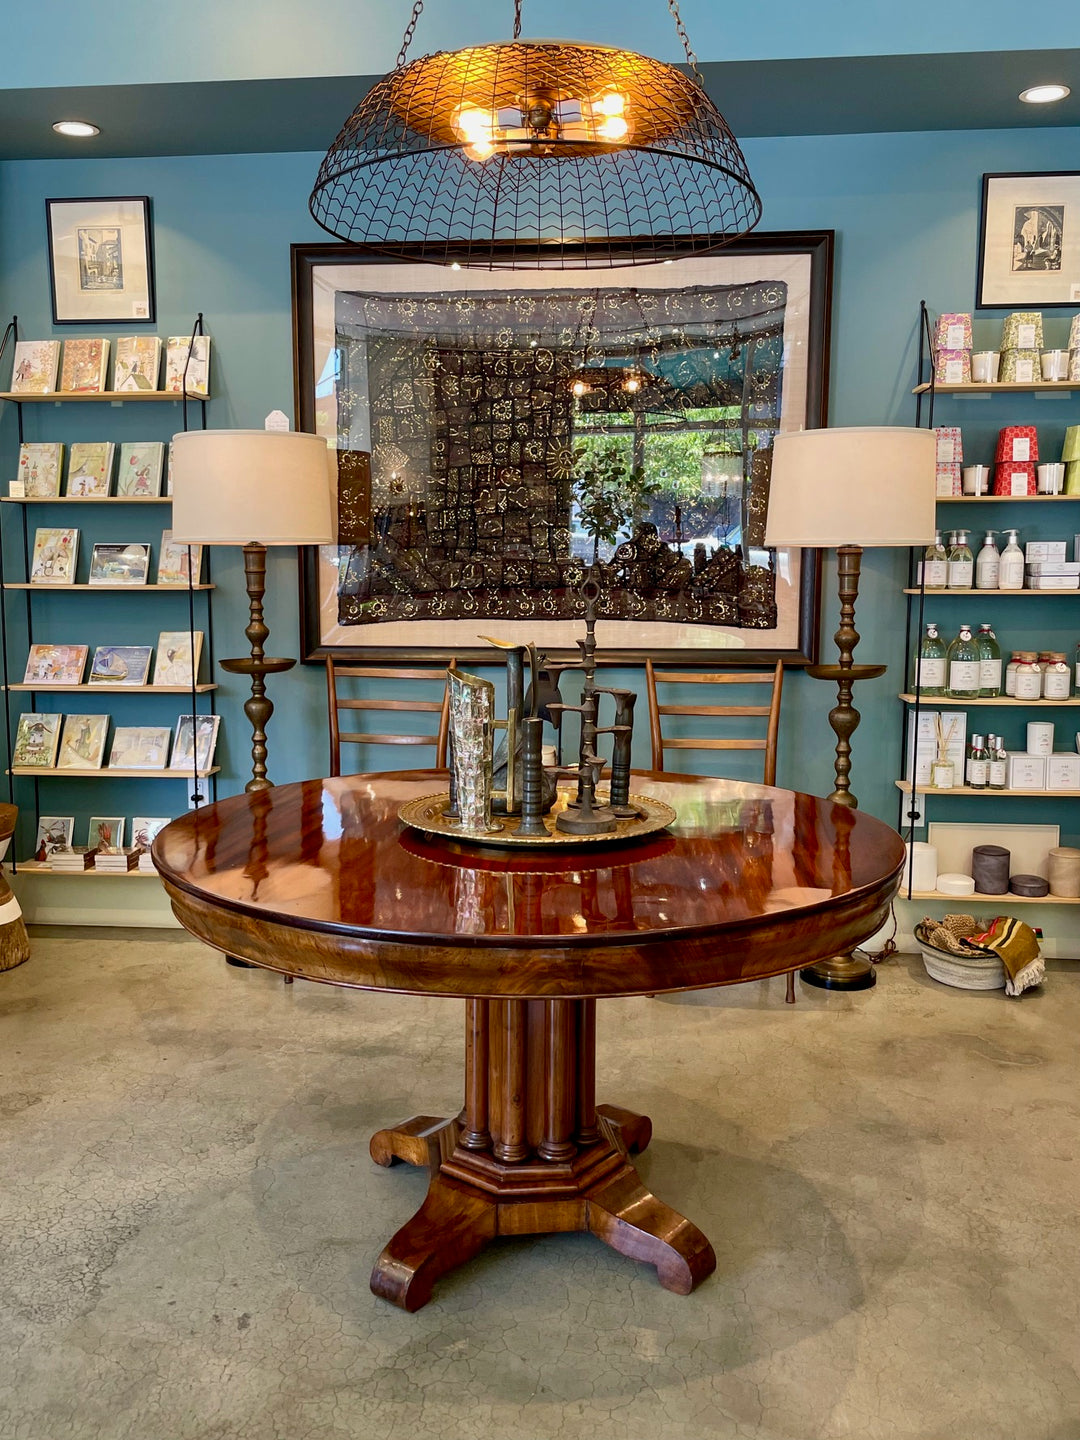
{"points": [[337, 670], [767, 742]]}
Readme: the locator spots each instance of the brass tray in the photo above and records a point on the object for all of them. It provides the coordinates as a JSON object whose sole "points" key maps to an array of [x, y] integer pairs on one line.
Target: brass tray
{"points": [[426, 814]]}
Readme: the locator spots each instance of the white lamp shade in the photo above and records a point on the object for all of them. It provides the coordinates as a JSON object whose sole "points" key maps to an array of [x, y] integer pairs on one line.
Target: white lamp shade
{"points": [[231, 487], [868, 485]]}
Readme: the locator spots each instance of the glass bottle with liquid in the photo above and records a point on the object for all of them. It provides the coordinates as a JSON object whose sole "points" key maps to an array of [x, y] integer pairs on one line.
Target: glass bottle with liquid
{"points": [[930, 668], [989, 663], [999, 762], [978, 764], [961, 564], [964, 666], [934, 566], [988, 565], [1011, 564]]}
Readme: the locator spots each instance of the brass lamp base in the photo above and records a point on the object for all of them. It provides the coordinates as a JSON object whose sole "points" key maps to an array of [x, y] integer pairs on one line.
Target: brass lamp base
{"points": [[840, 972]]}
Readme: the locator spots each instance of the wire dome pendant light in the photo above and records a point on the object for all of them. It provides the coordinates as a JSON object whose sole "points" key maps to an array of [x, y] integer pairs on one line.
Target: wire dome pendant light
{"points": [[575, 155]]}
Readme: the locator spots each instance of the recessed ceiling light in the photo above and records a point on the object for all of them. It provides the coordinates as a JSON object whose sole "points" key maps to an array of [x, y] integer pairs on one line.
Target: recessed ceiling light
{"points": [[1044, 94], [81, 128]]}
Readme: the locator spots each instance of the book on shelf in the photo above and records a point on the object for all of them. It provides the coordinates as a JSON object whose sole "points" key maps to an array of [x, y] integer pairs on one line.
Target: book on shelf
{"points": [[140, 747], [86, 364], [138, 362], [82, 746], [183, 755], [54, 832], [121, 664], [36, 741], [55, 665], [198, 367], [40, 464], [90, 467], [178, 564], [146, 864], [141, 465], [55, 553], [36, 364], [75, 859], [144, 831], [105, 832], [120, 564], [176, 663], [116, 862]]}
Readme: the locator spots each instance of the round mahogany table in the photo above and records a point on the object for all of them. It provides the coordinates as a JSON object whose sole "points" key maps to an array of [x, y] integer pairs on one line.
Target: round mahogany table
{"points": [[321, 880]]}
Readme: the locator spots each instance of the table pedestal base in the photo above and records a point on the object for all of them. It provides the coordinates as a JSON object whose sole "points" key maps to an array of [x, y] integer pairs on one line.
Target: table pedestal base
{"points": [[530, 1154]]}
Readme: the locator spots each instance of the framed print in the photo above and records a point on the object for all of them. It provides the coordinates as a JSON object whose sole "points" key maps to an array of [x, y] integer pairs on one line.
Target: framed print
{"points": [[1029, 240], [101, 260], [497, 436]]}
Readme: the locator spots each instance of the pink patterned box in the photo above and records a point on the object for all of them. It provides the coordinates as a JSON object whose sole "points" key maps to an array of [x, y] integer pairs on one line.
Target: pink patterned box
{"points": [[953, 331], [949, 478], [950, 446], [952, 367]]}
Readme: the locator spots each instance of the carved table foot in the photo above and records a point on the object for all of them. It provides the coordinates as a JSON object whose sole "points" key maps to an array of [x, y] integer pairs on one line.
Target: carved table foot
{"points": [[452, 1225], [628, 1132], [424, 1140], [626, 1216]]}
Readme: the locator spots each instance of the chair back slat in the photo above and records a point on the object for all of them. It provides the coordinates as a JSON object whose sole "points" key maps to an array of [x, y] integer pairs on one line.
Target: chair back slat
{"points": [[770, 713], [337, 703]]}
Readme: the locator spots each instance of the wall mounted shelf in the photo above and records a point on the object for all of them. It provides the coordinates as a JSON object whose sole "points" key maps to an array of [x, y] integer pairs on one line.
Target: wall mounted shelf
{"points": [[201, 689], [950, 702], [105, 589], [905, 786], [108, 397], [1040, 594], [105, 773]]}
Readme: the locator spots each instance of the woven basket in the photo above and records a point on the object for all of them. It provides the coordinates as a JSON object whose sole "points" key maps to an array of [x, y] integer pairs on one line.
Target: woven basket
{"points": [[960, 971]]}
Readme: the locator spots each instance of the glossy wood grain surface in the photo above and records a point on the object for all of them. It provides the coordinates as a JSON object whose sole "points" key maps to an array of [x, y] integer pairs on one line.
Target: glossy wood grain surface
{"points": [[320, 879]]}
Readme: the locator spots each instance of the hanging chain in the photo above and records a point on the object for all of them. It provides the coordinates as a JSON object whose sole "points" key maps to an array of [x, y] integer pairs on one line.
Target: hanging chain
{"points": [[406, 39], [691, 58], [517, 19]]}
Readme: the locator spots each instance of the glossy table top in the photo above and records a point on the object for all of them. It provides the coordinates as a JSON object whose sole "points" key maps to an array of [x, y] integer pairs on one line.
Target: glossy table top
{"points": [[321, 879]]}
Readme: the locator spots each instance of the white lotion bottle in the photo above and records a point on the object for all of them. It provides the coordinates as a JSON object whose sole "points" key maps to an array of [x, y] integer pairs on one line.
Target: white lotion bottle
{"points": [[1011, 565], [988, 564]]}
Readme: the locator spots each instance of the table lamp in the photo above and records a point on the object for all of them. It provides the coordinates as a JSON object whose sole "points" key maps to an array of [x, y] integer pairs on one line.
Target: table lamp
{"points": [[252, 488], [846, 489]]}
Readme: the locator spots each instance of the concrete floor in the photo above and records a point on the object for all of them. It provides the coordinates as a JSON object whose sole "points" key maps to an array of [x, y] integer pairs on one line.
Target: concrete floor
{"points": [[188, 1216]]}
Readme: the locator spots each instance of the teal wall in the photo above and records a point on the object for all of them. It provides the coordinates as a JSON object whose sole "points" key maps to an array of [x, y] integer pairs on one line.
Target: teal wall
{"points": [[58, 43], [905, 208]]}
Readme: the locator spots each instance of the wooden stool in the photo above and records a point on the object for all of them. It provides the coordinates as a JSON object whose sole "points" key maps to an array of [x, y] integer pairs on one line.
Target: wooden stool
{"points": [[14, 943]]}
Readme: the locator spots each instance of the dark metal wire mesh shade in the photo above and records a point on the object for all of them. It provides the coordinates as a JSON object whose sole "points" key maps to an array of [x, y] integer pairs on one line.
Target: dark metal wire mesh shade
{"points": [[542, 145]]}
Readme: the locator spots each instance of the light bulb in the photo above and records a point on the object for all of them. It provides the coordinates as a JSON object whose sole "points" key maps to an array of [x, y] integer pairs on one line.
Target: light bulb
{"points": [[479, 149], [473, 124], [632, 384], [82, 129], [613, 128], [610, 104], [579, 388], [1044, 94]]}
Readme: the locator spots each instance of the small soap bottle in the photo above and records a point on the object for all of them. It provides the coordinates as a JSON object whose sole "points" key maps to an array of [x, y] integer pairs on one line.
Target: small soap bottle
{"points": [[1011, 566], [988, 565]]}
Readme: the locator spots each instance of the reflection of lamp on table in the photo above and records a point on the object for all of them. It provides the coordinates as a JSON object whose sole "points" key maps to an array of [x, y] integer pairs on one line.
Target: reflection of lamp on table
{"points": [[848, 489], [252, 488]]}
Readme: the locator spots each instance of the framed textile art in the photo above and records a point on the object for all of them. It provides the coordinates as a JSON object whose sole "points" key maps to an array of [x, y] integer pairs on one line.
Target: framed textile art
{"points": [[501, 435], [1029, 240]]}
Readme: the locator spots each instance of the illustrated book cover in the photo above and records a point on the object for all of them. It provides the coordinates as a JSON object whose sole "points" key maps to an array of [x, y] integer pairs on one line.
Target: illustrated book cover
{"points": [[55, 553], [40, 464], [55, 665], [54, 832], [198, 370], [105, 832], [86, 364], [36, 364], [174, 665], [141, 464], [82, 746], [138, 362], [206, 727], [121, 665], [90, 467], [119, 564], [178, 564], [140, 747], [36, 742]]}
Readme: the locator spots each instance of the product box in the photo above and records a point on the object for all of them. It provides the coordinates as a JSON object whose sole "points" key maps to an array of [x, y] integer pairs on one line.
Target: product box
{"points": [[1026, 772], [1076, 547], [1021, 367], [952, 367], [953, 331], [1018, 442], [950, 446], [1063, 771], [1014, 477], [1053, 567], [1054, 582], [922, 752], [949, 479], [1036, 550], [1022, 330]]}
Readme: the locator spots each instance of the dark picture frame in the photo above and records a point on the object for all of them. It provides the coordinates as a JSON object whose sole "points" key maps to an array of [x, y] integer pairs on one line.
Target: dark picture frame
{"points": [[101, 260], [318, 266], [1029, 240]]}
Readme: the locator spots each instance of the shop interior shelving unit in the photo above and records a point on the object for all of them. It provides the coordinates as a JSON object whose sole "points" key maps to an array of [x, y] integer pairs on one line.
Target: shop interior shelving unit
{"points": [[18, 627], [1006, 512]]}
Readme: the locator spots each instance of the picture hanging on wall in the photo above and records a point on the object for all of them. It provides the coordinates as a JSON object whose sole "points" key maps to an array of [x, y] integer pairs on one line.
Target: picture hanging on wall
{"points": [[101, 261], [498, 435], [1029, 240]]}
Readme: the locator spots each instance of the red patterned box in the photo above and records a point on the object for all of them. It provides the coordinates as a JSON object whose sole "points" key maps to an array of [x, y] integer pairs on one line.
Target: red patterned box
{"points": [[949, 479], [1014, 477], [950, 446], [1018, 442]]}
